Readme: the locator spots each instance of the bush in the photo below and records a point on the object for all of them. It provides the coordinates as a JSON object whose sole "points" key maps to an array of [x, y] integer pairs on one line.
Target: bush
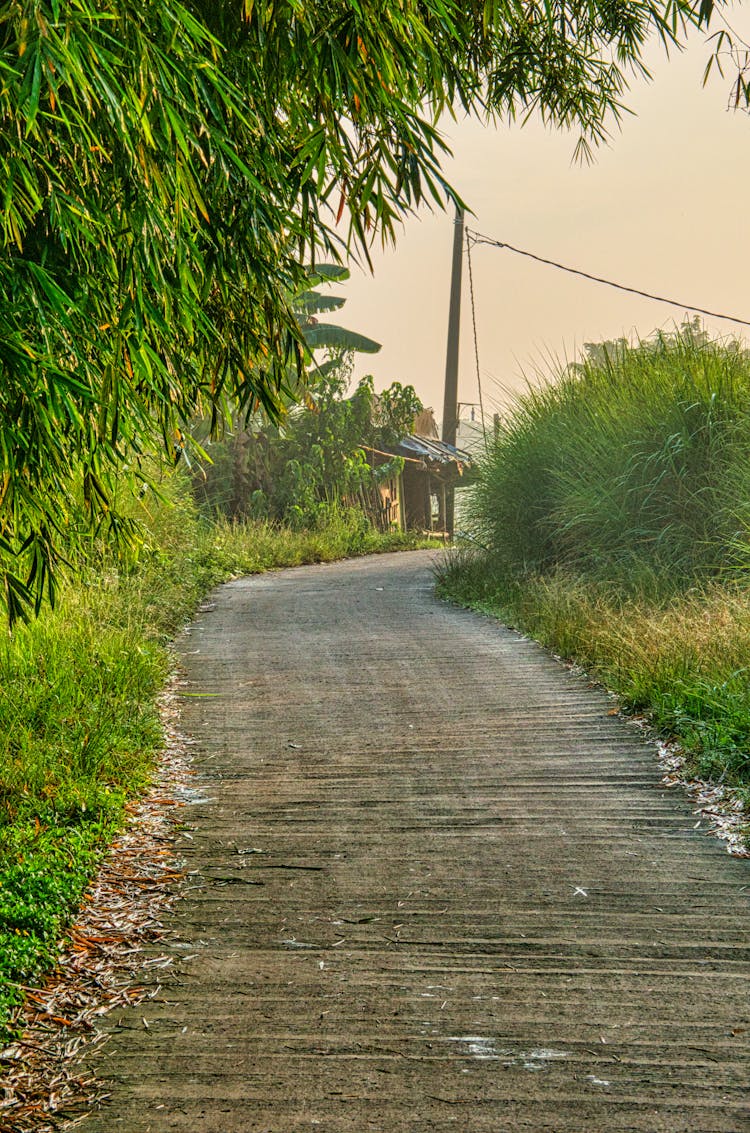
{"points": [[315, 463], [633, 464]]}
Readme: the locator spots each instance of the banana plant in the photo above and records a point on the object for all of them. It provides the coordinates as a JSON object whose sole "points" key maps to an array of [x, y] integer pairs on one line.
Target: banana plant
{"points": [[310, 303]]}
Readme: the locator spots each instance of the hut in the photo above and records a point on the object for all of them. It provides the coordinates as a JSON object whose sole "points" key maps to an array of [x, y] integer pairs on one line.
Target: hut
{"points": [[413, 491]]}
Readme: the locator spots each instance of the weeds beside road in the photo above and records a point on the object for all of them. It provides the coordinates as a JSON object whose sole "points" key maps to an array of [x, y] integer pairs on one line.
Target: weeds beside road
{"points": [[615, 513], [79, 720]]}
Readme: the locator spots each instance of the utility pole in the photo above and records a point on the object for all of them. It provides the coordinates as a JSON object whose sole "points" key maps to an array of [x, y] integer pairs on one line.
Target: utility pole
{"points": [[450, 402]]}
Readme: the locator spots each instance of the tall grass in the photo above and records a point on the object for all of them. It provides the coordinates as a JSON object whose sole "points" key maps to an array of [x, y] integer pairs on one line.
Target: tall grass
{"points": [[615, 511], [634, 462], [79, 725]]}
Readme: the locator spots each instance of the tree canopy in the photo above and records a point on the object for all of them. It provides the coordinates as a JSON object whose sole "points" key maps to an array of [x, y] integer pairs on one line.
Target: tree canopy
{"points": [[171, 170]]}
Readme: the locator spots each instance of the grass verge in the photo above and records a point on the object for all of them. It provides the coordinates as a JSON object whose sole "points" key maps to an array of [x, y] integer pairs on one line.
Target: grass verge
{"points": [[682, 661], [614, 512], [79, 721]]}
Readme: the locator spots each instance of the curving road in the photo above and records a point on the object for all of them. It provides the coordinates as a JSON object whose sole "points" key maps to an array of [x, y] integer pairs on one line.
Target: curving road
{"points": [[439, 889]]}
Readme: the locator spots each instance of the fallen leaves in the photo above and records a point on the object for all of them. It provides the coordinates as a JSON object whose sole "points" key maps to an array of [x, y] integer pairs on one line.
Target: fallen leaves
{"points": [[723, 808], [105, 956]]}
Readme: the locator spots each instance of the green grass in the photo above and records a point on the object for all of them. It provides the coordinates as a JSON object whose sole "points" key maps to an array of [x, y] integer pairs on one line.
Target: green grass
{"points": [[630, 467], [79, 724], [614, 514]]}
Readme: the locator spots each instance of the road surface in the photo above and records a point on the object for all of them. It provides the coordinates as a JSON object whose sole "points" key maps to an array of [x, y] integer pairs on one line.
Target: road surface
{"points": [[437, 887]]}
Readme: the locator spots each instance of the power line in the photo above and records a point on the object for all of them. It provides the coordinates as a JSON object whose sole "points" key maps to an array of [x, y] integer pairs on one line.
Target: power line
{"points": [[476, 339], [478, 238]]}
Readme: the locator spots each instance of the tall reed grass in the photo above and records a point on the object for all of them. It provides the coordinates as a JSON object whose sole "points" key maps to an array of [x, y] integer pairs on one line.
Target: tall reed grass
{"points": [[633, 464], [615, 514]]}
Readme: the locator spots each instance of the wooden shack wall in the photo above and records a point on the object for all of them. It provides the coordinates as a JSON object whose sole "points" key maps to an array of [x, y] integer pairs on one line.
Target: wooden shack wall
{"points": [[417, 504]]}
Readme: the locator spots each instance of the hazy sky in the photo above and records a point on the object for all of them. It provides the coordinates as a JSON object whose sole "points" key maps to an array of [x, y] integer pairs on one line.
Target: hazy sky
{"points": [[664, 208]]}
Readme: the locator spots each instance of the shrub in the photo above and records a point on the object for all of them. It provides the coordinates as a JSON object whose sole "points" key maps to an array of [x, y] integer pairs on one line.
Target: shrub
{"points": [[634, 463]]}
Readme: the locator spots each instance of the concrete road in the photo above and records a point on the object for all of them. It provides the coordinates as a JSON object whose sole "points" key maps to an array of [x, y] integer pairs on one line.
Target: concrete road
{"points": [[438, 889]]}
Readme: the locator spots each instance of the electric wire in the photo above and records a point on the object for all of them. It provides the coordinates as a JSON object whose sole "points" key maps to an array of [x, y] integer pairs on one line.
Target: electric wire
{"points": [[473, 238], [476, 339]]}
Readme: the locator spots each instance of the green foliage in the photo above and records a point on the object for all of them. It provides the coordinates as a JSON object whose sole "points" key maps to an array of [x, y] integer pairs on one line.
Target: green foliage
{"points": [[44, 873], [316, 463], [394, 412], [79, 725], [169, 173], [309, 303], [729, 53], [613, 517], [632, 463]]}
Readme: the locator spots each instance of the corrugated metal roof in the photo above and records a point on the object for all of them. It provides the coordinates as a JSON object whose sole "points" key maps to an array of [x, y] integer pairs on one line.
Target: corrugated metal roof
{"points": [[438, 452]]}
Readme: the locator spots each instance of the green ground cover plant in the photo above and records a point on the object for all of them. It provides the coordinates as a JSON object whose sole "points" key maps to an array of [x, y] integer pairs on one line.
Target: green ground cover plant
{"points": [[79, 723], [612, 522]]}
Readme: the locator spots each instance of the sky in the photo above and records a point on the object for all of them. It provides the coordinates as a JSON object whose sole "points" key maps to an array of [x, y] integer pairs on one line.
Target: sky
{"points": [[664, 207]]}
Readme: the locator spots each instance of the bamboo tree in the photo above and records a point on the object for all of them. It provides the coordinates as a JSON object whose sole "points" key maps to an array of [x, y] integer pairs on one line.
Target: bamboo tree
{"points": [[170, 170]]}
